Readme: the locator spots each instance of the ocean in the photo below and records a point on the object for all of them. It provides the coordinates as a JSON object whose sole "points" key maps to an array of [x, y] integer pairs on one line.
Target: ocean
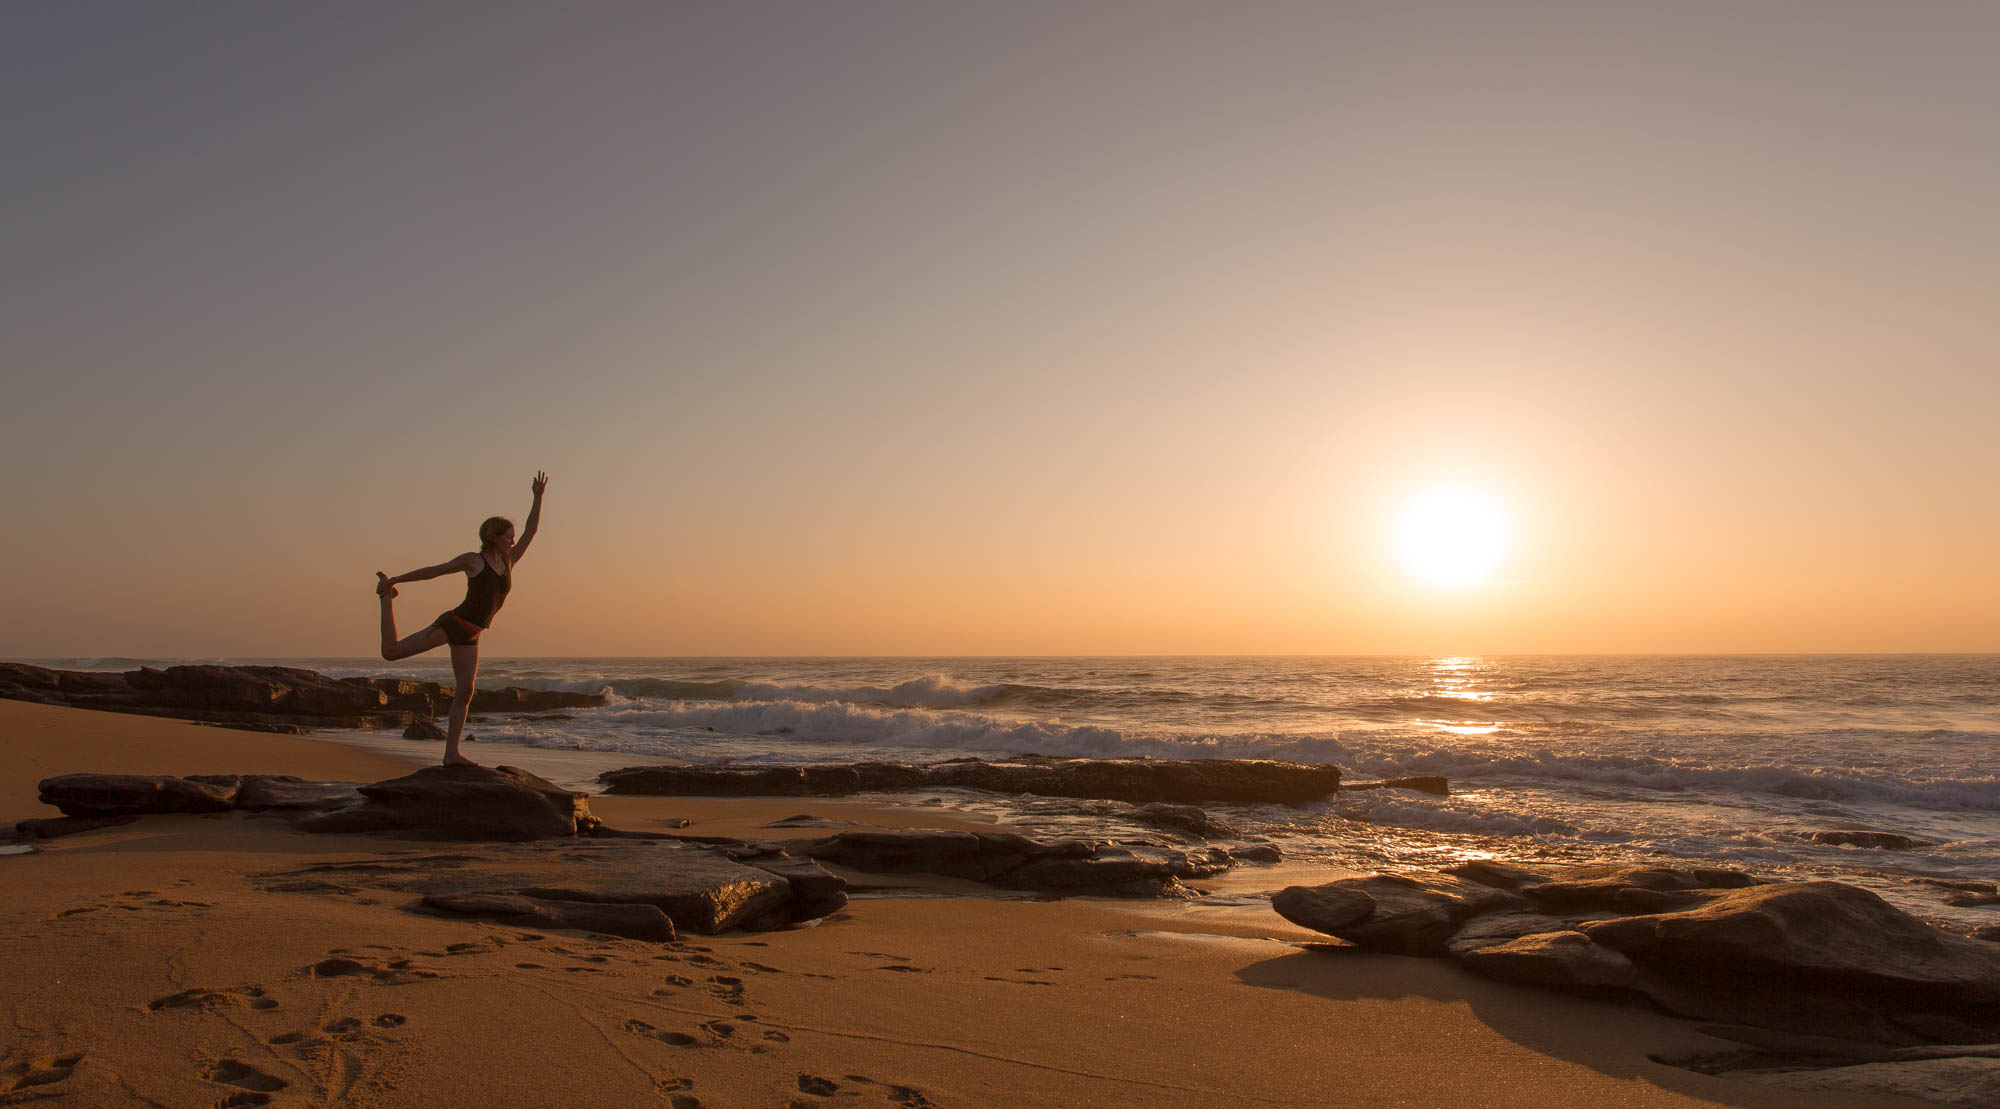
{"points": [[1727, 760]]}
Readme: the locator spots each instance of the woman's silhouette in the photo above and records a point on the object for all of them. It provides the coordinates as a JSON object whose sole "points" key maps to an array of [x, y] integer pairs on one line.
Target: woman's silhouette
{"points": [[489, 574]]}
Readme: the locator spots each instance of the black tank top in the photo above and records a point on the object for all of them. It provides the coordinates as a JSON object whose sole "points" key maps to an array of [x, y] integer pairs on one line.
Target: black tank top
{"points": [[485, 591]]}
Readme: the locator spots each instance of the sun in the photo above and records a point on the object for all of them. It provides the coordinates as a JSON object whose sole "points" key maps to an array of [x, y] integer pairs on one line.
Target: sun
{"points": [[1452, 536]]}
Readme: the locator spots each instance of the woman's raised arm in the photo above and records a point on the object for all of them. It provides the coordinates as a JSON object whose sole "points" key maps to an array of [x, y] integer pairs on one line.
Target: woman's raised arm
{"points": [[534, 521]]}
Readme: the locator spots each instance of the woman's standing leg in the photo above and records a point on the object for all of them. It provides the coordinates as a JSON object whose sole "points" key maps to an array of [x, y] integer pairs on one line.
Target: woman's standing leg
{"points": [[464, 669]]}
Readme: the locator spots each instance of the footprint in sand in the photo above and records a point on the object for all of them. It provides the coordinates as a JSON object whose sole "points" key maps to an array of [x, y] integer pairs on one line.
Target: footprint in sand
{"points": [[243, 1076], [44, 1071], [201, 997], [397, 972], [904, 969], [346, 1028], [908, 1096], [677, 1039], [725, 987]]}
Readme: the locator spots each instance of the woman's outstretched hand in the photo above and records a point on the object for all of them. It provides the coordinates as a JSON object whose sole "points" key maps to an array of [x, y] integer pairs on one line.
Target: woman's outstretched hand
{"points": [[383, 586], [540, 483]]}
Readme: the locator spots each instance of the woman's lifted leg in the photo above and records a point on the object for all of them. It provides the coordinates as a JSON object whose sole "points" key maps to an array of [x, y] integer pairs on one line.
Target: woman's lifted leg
{"points": [[418, 642]]}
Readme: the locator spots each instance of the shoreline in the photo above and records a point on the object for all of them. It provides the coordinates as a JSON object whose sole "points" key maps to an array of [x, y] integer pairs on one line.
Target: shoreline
{"points": [[921, 992]]}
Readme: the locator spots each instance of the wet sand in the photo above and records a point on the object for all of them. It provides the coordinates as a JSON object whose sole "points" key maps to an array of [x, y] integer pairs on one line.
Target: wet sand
{"points": [[144, 964]]}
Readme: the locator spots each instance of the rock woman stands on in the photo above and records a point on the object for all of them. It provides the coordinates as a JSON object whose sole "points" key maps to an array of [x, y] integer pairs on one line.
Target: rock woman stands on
{"points": [[489, 574]]}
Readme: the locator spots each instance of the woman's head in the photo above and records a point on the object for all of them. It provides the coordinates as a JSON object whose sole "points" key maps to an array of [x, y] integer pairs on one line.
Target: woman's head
{"points": [[496, 532]]}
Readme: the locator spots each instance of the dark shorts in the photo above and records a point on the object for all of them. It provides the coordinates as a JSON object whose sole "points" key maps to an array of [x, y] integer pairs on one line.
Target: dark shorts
{"points": [[458, 631]]}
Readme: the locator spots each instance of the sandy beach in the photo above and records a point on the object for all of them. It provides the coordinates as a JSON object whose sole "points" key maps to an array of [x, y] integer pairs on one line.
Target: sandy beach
{"points": [[145, 965]]}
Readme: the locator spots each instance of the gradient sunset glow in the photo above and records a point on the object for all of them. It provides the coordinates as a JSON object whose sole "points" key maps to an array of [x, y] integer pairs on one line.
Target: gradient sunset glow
{"points": [[1011, 329]]}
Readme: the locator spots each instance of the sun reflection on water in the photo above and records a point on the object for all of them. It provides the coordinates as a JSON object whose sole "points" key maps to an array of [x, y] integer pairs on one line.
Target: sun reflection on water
{"points": [[1456, 677]]}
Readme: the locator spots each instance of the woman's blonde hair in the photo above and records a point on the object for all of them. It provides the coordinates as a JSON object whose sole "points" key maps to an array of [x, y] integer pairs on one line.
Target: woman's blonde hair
{"points": [[491, 529]]}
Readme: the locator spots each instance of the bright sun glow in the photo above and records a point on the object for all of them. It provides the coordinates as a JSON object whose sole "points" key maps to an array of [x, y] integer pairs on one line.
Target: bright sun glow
{"points": [[1452, 537]]}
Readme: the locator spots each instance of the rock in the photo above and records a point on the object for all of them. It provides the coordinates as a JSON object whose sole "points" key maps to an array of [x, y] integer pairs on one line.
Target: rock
{"points": [[52, 827], [266, 792], [1138, 780], [1971, 1082], [424, 729], [1404, 914], [250, 726], [1189, 820], [1644, 889], [1855, 837], [1066, 867], [1566, 960], [633, 921], [265, 698], [461, 802], [1488, 872], [1817, 957], [1427, 783], [132, 794], [698, 890], [1257, 853], [516, 699], [816, 891], [1500, 927], [1989, 932], [1965, 899]]}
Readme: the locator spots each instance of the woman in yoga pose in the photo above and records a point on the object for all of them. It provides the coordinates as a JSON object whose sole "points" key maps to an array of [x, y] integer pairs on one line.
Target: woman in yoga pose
{"points": [[489, 574]]}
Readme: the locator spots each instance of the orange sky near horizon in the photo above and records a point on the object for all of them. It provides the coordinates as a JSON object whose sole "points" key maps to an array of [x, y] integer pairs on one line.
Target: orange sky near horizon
{"points": [[1027, 331]]}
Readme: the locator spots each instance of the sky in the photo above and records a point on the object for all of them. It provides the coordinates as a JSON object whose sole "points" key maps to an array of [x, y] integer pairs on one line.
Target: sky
{"points": [[1026, 328]]}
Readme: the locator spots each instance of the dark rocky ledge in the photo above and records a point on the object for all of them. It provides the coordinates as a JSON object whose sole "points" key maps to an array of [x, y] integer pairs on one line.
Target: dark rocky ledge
{"points": [[1183, 781], [1061, 867], [529, 852], [1818, 959], [273, 698]]}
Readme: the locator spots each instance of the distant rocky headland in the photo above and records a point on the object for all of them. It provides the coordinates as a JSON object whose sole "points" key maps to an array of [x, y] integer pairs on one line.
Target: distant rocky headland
{"points": [[266, 698]]}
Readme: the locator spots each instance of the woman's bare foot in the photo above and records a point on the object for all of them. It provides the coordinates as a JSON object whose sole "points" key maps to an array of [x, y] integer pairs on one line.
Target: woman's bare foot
{"points": [[456, 759]]}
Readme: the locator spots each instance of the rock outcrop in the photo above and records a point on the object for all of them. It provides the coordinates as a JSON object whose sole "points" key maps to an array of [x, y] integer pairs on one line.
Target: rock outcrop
{"points": [[462, 802], [435, 802], [266, 697], [551, 868], [637, 888], [1860, 837], [1179, 781], [135, 794], [1809, 957], [1062, 867], [633, 921]]}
